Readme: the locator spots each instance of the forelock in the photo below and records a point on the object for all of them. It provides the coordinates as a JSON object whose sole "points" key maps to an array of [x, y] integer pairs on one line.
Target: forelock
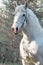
{"points": [[20, 8]]}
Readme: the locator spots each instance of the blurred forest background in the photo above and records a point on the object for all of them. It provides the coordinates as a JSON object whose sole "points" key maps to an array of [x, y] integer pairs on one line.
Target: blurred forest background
{"points": [[9, 43]]}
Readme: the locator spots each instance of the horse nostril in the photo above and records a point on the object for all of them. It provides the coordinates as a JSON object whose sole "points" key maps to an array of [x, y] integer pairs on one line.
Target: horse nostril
{"points": [[16, 28], [12, 29]]}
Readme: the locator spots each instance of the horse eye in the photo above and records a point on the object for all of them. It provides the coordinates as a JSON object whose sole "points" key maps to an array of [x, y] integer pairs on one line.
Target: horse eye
{"points": [[23, 14]]}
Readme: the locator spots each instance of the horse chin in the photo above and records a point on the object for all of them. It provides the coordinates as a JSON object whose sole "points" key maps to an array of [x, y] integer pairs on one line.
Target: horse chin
{"points": [[15, 33]]}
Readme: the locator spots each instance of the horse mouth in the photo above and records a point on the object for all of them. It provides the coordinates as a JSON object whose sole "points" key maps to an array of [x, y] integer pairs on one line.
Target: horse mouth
{"points": [[16, 33]]}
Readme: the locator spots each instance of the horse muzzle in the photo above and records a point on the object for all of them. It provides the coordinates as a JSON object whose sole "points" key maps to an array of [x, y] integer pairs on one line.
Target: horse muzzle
{"points": [[15, 30]]}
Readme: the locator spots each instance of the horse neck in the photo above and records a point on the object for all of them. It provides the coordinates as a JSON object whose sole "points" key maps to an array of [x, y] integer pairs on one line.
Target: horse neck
{"points": [[32, 28]]}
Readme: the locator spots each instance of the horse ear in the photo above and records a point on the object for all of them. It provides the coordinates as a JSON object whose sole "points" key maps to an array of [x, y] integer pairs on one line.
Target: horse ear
{"points": [[14, 3], [26, 5]]}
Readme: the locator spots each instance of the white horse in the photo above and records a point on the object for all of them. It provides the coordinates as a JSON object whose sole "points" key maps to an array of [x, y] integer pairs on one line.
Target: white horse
{"points": [[31, 46]]}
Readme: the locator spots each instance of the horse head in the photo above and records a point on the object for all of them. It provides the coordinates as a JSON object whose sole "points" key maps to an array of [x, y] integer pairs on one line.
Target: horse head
{"points": [[19, 18]]}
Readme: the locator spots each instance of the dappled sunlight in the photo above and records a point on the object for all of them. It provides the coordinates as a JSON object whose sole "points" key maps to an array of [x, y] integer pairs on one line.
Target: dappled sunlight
{"points": [[1, 4]]}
